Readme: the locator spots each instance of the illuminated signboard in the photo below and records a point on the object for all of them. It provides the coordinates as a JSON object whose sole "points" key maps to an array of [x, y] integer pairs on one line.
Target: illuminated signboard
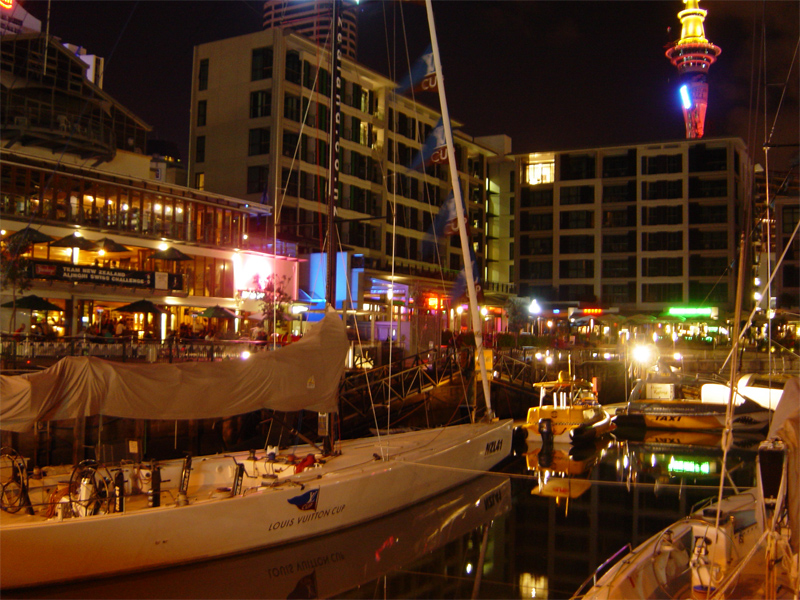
{"points": [[678, 311], [251, 271], [6, 3], [677, 465]]}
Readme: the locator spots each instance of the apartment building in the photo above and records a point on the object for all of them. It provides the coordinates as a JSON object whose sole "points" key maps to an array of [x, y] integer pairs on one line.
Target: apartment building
{"points": [[639, 227], [261, 111]]}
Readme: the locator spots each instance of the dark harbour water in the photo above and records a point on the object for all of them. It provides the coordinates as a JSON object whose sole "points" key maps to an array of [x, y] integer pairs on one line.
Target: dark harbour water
{"points": [[535, 529]]}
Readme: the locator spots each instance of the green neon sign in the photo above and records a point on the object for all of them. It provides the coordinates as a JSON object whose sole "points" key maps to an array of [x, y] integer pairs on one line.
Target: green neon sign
{"points": [[676, 311], [689, 466]]}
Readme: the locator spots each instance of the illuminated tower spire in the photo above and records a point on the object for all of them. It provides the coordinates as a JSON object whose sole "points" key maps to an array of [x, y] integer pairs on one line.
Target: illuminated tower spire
{"points": [[693, 55]]}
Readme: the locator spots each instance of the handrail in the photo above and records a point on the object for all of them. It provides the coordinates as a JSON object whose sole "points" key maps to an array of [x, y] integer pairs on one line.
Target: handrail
{"points": [[609, 562]]}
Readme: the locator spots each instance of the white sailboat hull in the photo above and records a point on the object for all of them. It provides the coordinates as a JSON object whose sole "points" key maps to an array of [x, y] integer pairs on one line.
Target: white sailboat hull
{"points": [[350, 489]]}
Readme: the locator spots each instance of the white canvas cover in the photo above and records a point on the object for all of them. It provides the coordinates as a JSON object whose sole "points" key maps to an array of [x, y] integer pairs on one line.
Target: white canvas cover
{"points": [[302, 375], [786, 426]]}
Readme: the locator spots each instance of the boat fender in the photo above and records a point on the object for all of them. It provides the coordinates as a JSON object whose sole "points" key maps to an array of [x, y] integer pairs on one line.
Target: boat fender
{"points": [[303, 464], [546, 429], [119, 492]]}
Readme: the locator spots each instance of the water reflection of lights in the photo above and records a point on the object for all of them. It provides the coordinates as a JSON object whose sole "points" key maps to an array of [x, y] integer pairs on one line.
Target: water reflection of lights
{"points": [[533, 586]]}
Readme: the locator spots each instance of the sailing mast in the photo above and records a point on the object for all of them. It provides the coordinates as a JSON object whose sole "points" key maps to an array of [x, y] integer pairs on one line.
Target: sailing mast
{"points": [[324, 424], [473, 296]]}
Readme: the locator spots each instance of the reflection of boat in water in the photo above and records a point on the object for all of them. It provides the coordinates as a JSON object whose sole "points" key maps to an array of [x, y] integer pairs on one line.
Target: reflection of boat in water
{"points": [[689, 441], [324, 566], [563, 469], [568, 411], [160, 512], [744, 546]]}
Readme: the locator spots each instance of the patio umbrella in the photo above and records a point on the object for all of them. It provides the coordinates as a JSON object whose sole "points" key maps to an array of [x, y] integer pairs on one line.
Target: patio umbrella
{"points": [[33, 302], [74, 241], [28, 234], [218, 312], [140, 306], [111, 246], [170, 254]]}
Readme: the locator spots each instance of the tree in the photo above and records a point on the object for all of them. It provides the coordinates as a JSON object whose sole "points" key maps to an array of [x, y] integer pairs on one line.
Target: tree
{"points": [[276, 301], [517, 311], [14, 270]]}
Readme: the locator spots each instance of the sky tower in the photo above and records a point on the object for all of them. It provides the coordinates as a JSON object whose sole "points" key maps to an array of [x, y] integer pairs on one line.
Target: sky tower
{"points": [[693, 56]]}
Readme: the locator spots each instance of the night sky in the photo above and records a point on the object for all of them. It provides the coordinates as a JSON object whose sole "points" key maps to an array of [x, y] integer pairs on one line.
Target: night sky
{"points": [[552, 75]]}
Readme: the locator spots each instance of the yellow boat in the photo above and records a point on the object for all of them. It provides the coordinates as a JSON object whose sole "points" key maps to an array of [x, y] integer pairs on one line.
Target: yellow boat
{"points": [[568, 411]]}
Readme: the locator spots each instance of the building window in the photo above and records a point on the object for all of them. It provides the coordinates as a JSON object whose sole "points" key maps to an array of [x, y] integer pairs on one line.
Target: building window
{"points": [[201, 113], [576, 269], [623, 267], [577, 166], [200, 149], [662, 215], [260, 104], [200, 181], [261, 64], [620, 243], [538, 222], [202, 75], [708, 266], [619, 293], [620, 218], [662, 241], [702, 158], [257, 178], [291, 108], [294, 68], [259, 141], [662, 267], [662, 189], [539, 270], [623, 165], [662, 292], [704, 214], [576, 244], [663, 163], [578, 194], [702, 292], [700, 239], [537, 173], [577, 219], [621, 192], [707, 188]]}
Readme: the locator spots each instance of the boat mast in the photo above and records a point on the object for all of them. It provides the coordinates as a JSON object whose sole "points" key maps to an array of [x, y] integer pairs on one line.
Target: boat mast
{"points": [[325, 424], [462, 230]]}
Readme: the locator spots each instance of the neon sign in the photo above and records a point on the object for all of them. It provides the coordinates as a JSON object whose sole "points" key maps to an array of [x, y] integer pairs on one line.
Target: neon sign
{"points": [[7, 4]]}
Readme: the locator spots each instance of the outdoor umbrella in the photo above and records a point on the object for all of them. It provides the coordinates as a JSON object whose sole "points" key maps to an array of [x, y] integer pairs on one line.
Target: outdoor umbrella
{"points": [[74, 241], [140, 306], [33, 302], [170, 254], [218, 312], [111, 246], [28, 234]]}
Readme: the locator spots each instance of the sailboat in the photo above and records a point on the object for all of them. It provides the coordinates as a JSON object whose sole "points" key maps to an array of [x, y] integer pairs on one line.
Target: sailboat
{"points": [[742, 546], [137, 516]]}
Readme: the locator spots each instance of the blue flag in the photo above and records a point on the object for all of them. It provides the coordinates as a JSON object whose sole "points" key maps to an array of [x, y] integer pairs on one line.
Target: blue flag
{"points": [[444, 225], [422, 77], [434, 151], [459, 290]]}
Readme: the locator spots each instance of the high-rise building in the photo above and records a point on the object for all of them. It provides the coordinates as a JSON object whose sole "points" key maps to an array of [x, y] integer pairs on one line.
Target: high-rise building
{"points": [[15, 20], [312, 18], [639, 227]]}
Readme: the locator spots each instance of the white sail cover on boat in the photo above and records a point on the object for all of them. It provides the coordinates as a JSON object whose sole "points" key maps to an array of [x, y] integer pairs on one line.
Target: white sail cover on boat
{"points": [[786, 426], [302, 375]]}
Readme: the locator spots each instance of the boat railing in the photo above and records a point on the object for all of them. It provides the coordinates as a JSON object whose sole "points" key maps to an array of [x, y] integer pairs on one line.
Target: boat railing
{"points": [[599, 571]]}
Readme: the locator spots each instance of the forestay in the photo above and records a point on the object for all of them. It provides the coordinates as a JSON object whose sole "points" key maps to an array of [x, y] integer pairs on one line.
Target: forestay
{"points": [[303, 375]]}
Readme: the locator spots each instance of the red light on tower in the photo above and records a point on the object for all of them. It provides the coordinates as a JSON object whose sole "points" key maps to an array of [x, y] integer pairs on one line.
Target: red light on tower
{"points": [[693, 55]]}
